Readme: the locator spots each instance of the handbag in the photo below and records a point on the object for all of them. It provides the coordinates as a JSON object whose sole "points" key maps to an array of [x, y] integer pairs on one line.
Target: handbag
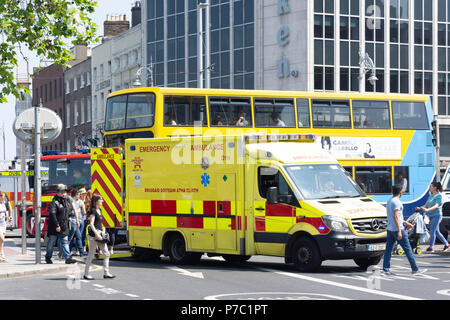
{"points": [[105, 237]]}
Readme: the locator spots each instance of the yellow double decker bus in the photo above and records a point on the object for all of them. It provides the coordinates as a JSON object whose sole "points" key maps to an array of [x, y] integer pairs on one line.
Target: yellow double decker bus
{"points": [[380, 139]]}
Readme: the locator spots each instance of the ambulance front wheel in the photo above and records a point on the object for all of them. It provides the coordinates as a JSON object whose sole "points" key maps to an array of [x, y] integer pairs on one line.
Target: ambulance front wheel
{"points": [[306, 255]]}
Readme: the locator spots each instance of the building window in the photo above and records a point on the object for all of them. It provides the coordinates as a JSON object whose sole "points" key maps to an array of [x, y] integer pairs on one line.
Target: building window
{"points": [[68, 116], [89, 109], [324, 55]]}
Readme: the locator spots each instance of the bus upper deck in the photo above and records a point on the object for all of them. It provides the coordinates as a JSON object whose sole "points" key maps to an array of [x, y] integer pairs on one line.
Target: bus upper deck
{"points": [[381, 139]]}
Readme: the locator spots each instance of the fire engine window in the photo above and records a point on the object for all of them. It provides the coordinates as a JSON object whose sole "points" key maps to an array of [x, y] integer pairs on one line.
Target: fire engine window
{"points": [[401, 177], [230, 112], [271, 177], [184, 111], [274, 113], [374, 180]]}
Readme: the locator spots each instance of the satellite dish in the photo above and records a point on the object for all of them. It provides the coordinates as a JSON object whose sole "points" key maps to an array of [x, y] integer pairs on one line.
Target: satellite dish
{"points": [[49, 122]]}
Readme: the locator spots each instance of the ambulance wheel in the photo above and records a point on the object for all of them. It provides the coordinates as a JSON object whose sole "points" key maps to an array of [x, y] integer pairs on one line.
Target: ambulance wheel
{"points": [[235, 258], [365, 263], [306, 255], [178, 253]]}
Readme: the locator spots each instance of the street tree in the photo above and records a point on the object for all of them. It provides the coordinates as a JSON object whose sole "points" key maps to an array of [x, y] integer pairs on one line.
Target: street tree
{"points": [[45, 28]]}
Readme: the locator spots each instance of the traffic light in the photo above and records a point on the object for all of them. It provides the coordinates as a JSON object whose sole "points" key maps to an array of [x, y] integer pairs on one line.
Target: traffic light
{"points": [[434, 132]]}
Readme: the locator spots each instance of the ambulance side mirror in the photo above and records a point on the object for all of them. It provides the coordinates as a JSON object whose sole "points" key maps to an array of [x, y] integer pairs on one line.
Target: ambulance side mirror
{"points": [[272, 195]]}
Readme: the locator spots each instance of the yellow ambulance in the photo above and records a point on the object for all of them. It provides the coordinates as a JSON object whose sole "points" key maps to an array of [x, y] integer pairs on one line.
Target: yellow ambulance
{"points": [[238, 196]]}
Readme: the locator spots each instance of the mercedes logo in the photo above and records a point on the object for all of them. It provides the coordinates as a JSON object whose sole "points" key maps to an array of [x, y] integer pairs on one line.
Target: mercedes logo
{"points": [[375, 224]]}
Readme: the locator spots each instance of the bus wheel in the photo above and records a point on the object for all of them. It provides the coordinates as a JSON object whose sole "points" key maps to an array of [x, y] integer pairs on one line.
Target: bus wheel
{"points": [[364, 263], [306, 255], [177, 250], [235, 258]]}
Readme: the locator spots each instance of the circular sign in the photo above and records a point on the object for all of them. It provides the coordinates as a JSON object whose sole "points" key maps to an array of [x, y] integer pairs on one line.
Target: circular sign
{"points": [[50, 125]]}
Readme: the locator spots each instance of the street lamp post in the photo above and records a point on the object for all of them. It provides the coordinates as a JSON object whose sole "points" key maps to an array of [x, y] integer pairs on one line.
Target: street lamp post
{"points": [[365, 65], [200, 68], [138, 80]]}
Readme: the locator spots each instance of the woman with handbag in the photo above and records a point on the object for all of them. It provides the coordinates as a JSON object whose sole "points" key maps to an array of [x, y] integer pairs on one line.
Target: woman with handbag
{"points": [[97, 238]]}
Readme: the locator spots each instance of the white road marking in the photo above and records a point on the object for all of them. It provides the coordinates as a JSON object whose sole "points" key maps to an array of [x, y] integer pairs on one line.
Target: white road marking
{"points": [[342, 285], [187, 272], [132, 295]]}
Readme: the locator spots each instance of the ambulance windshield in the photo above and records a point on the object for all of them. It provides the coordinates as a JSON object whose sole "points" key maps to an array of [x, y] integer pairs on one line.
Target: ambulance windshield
{"points": [[323, 181]]}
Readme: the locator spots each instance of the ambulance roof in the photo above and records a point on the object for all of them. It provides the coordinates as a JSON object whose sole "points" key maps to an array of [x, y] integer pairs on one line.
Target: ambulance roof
{"points": [[290, 152]]}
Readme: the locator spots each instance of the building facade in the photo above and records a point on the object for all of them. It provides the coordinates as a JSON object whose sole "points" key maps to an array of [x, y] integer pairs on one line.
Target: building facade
{"points": [[20, 106], [48, 90], [78, 105], [307, 46], [114, 64]]}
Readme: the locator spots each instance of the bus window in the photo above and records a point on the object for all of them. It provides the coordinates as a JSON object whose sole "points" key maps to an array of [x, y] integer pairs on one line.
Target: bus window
{"points": [[349, 170], [116, 109], [374, 179], [130, 111], [331, 114], [369, 114], [184, 111], [274, 112], [401, 177], [230, 112], [409, 115], [140, 110], [303, 113]]}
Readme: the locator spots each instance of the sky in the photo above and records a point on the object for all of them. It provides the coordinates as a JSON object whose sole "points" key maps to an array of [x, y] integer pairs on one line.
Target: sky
{"points": [[104, 7]]}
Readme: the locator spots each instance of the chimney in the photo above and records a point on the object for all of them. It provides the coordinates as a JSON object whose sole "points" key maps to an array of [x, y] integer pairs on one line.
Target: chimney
{"points": [[136, 14], [115, 25]]}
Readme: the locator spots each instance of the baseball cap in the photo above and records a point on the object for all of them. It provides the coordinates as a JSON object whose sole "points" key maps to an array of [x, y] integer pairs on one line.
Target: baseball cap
{"points": [[61, 187]]}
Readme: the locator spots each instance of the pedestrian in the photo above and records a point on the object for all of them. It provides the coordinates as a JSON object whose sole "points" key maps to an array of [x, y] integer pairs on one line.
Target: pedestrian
{"points": [[83, 194], [396, 233], [5, 214], [77, 223], [87, 205], [58, 224], [94, 219], [433, 209]]}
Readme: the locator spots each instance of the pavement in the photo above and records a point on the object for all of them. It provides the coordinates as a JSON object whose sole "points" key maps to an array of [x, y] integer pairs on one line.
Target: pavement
{"points": [[20, 265]]}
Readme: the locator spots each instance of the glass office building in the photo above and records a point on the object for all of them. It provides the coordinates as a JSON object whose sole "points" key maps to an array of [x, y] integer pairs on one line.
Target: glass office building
{"points": [[171, 42], [309, 45]]}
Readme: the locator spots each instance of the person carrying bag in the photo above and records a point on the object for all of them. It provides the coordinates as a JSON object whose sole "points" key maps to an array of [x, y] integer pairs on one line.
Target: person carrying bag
{"points": [[97, 237]]}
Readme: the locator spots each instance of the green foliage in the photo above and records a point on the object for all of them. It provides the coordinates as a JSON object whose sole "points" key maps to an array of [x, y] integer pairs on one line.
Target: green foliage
{"points": [[47, 28]]}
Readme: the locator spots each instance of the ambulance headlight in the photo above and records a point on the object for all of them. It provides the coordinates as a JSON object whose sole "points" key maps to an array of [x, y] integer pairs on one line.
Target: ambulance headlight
{"points": [[336, 223]]}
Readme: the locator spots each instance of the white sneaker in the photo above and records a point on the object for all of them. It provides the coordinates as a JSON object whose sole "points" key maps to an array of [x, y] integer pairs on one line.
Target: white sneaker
{"points": [[388, 273], [419, 272]]}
